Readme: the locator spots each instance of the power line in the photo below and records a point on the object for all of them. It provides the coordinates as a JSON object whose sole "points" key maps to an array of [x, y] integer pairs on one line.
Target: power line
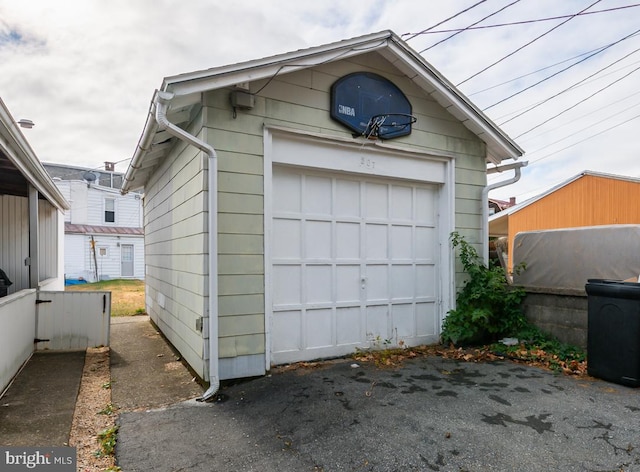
{"points": [[576, 86], [472, 24], [563, 70], [615, 115], [525, 45], [535, 71], [578, 103], [523, 22], [585, 139], [582, 117], [443, 21]]}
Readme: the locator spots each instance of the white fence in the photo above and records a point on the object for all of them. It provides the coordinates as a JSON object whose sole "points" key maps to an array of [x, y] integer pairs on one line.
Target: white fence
{"points": [[56, 320], [17, 329], [73, 320]]}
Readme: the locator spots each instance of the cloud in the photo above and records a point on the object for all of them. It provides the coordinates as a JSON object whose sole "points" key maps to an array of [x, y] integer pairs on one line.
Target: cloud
{"points": [[85, 73]]}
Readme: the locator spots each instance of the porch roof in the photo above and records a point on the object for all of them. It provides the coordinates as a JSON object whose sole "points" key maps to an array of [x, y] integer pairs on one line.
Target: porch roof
{"points": [[20, 167]]}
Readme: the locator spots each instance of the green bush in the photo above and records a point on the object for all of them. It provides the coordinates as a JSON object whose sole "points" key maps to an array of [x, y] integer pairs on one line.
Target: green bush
{"points": [[487, 307]]}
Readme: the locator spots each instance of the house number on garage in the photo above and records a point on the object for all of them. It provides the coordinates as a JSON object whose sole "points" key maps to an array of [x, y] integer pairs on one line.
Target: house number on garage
{"points": [[368, 163]]}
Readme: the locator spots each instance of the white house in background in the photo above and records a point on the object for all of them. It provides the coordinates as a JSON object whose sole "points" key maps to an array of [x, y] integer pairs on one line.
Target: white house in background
{"points": [[103, 233]]}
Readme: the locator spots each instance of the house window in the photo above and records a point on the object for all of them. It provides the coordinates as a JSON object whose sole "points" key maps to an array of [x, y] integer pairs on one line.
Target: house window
{"points": [[109, 210]]}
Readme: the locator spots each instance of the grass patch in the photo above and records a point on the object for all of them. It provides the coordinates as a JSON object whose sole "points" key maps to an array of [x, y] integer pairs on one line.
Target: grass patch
{"points": [[127, 295]]}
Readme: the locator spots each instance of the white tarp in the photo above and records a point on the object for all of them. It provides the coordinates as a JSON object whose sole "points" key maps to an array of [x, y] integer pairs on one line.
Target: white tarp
{"points": [[565, 259]]}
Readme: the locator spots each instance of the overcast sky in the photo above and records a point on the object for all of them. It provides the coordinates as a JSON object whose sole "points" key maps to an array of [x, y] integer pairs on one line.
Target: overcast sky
{"points": [[85, 70]]}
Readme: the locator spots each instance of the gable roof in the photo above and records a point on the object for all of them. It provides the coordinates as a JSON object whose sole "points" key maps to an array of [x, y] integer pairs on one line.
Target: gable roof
{"points": [[497, 219], [187, 88], [20, 166]]}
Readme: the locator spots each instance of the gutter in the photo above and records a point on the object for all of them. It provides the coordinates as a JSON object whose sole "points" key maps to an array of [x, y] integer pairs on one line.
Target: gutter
{"points": [[162, 104], [517, 166]]}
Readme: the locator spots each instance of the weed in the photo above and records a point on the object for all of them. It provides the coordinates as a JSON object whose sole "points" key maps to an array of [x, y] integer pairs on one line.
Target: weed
{"points": [[106, 385], [487, 308], [107, 410], [107, 440], [537, 347]]}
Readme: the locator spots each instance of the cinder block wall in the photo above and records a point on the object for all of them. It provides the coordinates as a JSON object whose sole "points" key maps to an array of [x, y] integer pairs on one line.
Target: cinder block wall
{"points": [[564, 316]]}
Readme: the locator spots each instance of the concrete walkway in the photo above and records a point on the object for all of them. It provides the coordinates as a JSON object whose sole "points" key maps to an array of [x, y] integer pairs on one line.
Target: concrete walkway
{"points": [[37, 409], [145, 371]]}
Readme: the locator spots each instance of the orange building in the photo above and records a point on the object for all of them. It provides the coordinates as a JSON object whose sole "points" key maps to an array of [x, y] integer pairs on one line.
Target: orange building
{"points": [[587, 199]]}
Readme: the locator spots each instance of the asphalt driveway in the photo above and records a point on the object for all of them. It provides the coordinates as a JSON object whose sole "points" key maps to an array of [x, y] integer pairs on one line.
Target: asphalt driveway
{"points": [[432, 414]]}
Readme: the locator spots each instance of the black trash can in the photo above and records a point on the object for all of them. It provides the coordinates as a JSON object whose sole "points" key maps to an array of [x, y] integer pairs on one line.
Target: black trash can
{"points": [[613, 337]]}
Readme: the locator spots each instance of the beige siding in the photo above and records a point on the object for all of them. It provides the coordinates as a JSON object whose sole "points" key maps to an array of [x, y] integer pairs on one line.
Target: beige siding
{"points": [[176, 251], [301, 100]]}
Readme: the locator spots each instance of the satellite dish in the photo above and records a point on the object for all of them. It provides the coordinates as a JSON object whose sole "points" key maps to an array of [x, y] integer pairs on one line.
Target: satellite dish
{"points": [[89, 176]]}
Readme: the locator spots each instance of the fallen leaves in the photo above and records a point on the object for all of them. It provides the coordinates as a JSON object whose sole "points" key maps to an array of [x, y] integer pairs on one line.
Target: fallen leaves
{"points": [[531, 356]]}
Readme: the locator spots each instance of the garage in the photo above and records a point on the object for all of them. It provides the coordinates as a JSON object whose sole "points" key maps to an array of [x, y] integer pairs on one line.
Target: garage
{"points": [[354, 257], [299, 206]]}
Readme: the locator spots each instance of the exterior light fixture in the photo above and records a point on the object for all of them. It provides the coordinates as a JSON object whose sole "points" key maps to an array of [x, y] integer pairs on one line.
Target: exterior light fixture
{"points": [[24, 123]]}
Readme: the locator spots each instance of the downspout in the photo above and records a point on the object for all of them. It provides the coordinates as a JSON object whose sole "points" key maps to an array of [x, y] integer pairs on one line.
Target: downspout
{"points": [[162, 103], [517, 166]]}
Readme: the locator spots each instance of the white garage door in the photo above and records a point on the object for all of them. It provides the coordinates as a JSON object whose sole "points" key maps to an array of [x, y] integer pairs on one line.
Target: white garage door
{"points": [[354, 263]]}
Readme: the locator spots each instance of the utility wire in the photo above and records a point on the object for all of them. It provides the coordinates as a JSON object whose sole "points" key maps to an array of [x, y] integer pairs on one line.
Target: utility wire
{"points": [[530, 138], [563, 70], [585, 139], [525, 45], [467, 28], [411, 36], [615, 115], [578, 103], [535, 71], [523, 22], [604, 76]]}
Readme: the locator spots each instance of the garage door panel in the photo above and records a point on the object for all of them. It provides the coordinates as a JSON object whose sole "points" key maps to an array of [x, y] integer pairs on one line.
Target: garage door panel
{"points": [[376, 241], [286, 331], [348, 234], [426, 319], [318, 282], [287, 285], [287, 244], [376, 201], [318, 328], [287, 191], [348, 325], [318, 196], [377, 319], [377, 282], [347, 202], [426, 243], [348, 284], [401, 203], [425, 281], [401, 243], [426, 206], [403, 320], [318, 240], [403, 281]]}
